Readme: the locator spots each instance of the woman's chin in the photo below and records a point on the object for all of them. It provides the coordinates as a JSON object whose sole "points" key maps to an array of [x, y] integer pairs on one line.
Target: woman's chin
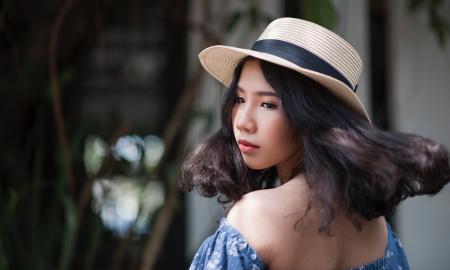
{"points": [[255, 167]]}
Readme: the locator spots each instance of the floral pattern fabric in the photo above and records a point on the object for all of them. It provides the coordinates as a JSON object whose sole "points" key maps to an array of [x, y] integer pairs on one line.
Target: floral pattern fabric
{"points": [[227, 249]]}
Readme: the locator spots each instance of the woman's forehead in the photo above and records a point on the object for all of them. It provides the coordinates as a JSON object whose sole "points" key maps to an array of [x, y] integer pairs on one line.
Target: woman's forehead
{"points": [[252, 79]]}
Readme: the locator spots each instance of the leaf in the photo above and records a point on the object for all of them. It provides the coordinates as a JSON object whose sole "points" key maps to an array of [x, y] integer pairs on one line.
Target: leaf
{"points": [[11, 234], [267, 19], [35, 237], [52, 231], [3, 258], [414, 5], [233, 21], [12, 202], [94, 244], [440, 29], [70, 232], [253, 15], [66, 76], [321, 12], [437, 21]]}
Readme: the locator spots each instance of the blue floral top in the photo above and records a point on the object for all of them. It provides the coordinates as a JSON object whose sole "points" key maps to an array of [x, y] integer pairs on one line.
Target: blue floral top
{"points": [[227, 249]]}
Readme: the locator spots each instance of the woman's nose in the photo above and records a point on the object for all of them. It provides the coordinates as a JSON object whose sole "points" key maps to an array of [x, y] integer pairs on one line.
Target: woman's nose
{"points": [[245, 121]]}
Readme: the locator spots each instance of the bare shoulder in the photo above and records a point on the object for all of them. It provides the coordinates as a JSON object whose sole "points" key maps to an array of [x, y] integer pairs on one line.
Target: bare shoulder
{"points": [[251, 209], [261, 218], [259, 211], [253, 219]]}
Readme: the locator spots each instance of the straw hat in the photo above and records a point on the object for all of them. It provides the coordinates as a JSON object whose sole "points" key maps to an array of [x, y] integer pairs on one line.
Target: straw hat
{"points": [[302, 46]]}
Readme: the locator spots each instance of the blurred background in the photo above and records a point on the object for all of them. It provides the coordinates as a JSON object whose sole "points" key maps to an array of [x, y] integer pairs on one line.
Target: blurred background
{"points": [[101, 101]]}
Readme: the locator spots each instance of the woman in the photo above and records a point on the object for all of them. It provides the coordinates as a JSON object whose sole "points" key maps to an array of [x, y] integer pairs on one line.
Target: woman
{"points": [[291, 113]]}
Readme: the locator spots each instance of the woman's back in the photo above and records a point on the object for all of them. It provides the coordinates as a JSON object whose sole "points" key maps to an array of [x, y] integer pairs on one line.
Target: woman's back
{"points": [[266, 220]]}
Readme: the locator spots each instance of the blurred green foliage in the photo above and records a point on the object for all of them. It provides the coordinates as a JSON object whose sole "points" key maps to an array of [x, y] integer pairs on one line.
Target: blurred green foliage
{"points": [[437, 13], [321, 12]]}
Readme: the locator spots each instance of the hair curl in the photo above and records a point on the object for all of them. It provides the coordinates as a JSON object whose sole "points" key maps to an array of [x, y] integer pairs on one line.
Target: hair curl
{"points": [[366, 170]]}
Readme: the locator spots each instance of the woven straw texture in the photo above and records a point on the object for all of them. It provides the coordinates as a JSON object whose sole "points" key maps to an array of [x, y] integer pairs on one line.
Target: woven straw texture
{"points": [[319, 41], [220, 61]]}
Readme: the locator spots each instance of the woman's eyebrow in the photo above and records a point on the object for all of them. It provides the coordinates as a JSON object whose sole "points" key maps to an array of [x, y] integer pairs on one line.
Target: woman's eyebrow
{"points": [[259, 93]]}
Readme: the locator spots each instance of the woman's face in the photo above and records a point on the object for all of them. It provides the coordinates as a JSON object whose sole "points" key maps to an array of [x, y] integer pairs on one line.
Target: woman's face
{"points": [[262, 131]]}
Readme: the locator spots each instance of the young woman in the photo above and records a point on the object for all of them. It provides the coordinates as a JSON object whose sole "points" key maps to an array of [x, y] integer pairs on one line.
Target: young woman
{"points": [[291, 114]]}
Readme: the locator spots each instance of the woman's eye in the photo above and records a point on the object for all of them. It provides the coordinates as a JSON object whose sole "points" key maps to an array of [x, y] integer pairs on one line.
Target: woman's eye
{"points": [[239, 100], [269, 105]]}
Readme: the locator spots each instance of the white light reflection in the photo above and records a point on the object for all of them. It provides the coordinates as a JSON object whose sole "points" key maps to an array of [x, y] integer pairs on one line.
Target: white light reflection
{"points": [[95, 150], [128, 148], [154, 149], [152, 198], [117, 201]]}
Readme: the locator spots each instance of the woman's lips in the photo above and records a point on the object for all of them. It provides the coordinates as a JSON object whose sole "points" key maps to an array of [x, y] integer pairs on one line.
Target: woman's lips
{"points": [[246, 146]]}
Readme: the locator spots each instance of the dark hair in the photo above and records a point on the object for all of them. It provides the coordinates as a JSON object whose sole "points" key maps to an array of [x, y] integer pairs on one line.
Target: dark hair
{"points": [[366, 170]]}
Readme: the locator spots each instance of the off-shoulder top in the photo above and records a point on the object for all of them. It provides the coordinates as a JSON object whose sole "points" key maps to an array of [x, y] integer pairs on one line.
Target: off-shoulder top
{"points": [[227, 249]]}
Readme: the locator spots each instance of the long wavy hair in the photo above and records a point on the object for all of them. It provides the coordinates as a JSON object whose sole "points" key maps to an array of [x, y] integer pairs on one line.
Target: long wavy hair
{"points": [[367, 171]]}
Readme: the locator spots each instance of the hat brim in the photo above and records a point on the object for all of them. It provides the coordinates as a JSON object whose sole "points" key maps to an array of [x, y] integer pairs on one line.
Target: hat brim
{"points": [[220, 61]]}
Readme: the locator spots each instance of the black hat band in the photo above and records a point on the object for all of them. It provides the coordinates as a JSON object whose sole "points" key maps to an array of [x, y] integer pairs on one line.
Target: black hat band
{"points": [[299, 56]]}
